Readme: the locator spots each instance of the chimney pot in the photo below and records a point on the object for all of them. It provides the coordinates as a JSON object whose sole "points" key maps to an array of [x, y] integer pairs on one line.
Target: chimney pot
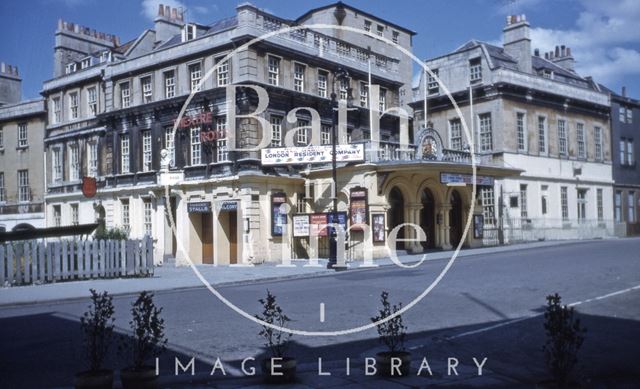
{"points": [[536, 52], [624, 91], [568, 51], [174, 14], [160, 10], [167, 11], [557, 53]]}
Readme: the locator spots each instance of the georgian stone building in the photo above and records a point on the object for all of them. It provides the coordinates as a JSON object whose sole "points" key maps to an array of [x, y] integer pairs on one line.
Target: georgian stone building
{"points": [[531, 112], [115, 115], [21, 155]]}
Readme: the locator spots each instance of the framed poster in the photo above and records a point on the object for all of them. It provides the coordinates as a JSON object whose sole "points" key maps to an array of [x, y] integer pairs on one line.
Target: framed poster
{"points": [[342, 221], [300, 226], [358, 207], [377, 221], [278, 214], [478, 226], [318, 224]]}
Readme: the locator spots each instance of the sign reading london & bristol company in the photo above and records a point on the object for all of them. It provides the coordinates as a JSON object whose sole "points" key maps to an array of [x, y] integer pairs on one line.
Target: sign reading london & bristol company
{"points": [[312, 154]]}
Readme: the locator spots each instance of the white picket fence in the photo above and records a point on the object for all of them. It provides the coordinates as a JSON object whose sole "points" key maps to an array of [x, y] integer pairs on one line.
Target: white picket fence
{"points": [[35, 262]]}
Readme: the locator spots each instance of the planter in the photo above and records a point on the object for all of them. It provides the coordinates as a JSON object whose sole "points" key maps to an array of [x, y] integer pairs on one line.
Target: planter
{"points": [[285, 365], [553, 384], [101, 379], [144, 378], [384, 359]]}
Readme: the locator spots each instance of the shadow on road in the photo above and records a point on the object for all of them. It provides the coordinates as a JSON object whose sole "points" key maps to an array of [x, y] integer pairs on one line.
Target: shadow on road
{"points": [[44, 350]]}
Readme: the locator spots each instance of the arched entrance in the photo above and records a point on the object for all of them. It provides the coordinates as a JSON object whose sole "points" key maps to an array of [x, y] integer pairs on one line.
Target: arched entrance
{"points": [[455, 219], [396, 214], [427, 219]]}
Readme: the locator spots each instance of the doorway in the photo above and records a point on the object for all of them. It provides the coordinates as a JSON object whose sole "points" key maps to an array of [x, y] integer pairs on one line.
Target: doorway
{"points": [[227, 249], [396, 215], [206, 237], [233, 237], [455, 219], [427, 219]]}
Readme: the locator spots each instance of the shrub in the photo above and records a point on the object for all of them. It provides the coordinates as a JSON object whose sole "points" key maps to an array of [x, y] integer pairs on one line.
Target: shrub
{"points": [[564, 339], [393, 331], [97, 328], [149, 340], [275, 340], [112, 234]]}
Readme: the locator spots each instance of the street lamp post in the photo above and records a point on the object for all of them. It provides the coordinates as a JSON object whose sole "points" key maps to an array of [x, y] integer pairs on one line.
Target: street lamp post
{"points": [[340, 75]]}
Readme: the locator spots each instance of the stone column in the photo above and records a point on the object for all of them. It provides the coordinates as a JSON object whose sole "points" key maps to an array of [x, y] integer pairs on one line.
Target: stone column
{"points": [[413, 210], [159, 233], [446, 239]]}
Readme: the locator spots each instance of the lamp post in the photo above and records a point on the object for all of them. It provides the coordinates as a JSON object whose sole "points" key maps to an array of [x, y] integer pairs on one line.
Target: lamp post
{"points": [[340, 76]]}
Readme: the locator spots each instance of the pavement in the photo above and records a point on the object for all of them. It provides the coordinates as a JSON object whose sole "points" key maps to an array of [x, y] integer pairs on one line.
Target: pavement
{"points": [[171, 277], [489, 305]]}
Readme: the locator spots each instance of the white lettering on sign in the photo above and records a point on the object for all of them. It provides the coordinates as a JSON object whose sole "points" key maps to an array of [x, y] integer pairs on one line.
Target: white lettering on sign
{"points": [[312, 154]]}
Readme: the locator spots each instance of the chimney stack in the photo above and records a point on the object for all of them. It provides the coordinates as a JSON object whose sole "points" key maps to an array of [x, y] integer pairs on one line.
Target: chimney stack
{"points": [[561, 56], [10, 84], [517, 42], [168, 23]]}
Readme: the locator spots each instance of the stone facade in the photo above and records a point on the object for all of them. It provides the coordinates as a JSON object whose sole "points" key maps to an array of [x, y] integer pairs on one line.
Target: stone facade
{"points": [[152, 168], [530, 113], [21, 165]]}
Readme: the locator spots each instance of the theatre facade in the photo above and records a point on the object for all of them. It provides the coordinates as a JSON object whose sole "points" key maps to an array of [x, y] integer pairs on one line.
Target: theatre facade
{"points": [[172, 127]]}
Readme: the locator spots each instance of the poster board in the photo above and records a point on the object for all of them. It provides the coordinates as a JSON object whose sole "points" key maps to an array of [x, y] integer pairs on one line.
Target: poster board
{"points": [[301, 226], [278, 214]]}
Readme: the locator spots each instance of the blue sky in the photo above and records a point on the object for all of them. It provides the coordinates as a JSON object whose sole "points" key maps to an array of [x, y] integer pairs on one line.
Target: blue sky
{"points": [[603, 35]]}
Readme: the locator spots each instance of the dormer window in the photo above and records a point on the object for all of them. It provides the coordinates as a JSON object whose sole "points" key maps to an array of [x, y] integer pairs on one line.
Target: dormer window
{"points": [[188, 32], [367, 26], [546, 73], [432, 84], [72, 67], [85, 63], [105, 56], [475, 70]]}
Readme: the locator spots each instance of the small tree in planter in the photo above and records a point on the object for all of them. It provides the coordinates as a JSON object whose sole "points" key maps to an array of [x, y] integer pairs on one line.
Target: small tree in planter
{"points": [[564, 339], [97, 329], [148, 342], [392, 333], [279, 368]]}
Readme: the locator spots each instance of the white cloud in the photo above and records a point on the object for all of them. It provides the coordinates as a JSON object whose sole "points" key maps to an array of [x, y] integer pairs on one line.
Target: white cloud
{"points": [[604, 40]]}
